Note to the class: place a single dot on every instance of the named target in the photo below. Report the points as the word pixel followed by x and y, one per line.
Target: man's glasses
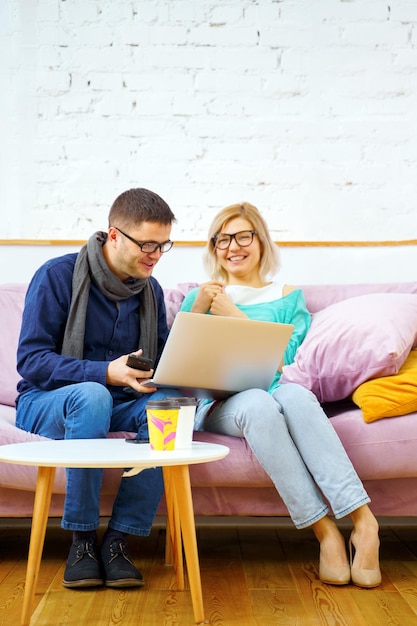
pixel 243 238
pixel 149 246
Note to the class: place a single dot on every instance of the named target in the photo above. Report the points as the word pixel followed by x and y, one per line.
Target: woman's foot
pixel 364 550
pixel 334 567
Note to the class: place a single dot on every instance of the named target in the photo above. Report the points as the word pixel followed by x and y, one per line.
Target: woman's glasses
pixel 149 246
pixel 243 238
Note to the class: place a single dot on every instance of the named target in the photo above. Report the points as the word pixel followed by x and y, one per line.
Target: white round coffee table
pixel 48 455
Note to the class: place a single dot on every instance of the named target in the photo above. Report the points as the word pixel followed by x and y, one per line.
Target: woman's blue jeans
pixel 297 446
pixel 86 411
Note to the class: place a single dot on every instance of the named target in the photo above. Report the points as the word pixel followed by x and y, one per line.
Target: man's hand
pixel 120 374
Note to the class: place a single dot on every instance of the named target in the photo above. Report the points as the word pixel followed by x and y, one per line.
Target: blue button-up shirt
pixel 111 329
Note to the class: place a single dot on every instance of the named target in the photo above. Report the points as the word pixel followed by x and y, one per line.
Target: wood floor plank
pixel 379 607
pixel 225 595
pixel 166 608
pixel 403 577
pixel 157 574
pixel 276 607
pixel 11 598
pixel 264 561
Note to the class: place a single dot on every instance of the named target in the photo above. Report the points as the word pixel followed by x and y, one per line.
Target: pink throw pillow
pixel 352 341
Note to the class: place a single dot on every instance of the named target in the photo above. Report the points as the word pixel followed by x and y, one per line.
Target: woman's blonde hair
pixel 269 264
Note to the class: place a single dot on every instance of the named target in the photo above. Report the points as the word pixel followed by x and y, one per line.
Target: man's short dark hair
pixel 139 205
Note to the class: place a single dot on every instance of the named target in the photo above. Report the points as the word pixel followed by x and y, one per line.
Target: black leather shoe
pixel 119 570
pixel 83 567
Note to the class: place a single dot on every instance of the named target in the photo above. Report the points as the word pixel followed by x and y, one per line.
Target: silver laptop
pixel 215 356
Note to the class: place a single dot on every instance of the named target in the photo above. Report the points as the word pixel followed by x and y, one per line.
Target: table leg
pixel 181 487
pixel 41 506
pixel 173 548
pixel 169 559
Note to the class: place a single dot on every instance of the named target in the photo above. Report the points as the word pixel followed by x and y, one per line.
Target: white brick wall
pixel 307 109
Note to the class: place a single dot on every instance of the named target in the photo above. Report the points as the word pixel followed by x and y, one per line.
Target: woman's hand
pixel 222 305
pixel 205 295
pixel 120 374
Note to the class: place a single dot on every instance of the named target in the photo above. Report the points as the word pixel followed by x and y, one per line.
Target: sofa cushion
pixel 389 396
pixel 11 307
pixel 173 299
pixel 352 341
pixel 383 450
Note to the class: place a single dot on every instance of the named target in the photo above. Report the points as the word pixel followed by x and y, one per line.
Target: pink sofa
pixel 384 452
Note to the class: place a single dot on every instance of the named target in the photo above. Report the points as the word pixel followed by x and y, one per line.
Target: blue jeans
pixel 86 411
pixel 297 446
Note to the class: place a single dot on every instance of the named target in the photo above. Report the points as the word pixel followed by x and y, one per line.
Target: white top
pixel 242 294
pixel 106 453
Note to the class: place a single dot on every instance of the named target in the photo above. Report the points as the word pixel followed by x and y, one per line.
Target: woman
pixel 297 446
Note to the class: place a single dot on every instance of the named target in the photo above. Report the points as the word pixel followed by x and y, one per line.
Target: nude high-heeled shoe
pixel 366 578
pixel 334 575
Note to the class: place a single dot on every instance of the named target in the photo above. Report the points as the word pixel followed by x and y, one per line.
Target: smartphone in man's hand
pixel 139 362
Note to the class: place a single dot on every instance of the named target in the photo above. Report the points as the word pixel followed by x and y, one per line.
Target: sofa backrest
pixel 321 296
pixel 12 298
pixel 174 297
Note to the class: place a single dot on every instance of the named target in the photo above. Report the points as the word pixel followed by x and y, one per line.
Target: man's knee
pixel 90 394
pixel 88 410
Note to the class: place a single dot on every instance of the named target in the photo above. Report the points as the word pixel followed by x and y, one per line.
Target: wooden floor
pixel 261 576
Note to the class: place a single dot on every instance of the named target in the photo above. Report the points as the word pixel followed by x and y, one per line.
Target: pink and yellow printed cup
pixel 162 423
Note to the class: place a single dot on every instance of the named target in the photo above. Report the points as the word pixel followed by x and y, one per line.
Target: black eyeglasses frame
pixel 233 236
pixel 155 245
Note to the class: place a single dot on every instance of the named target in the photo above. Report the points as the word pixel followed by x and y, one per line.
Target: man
pixel 83 315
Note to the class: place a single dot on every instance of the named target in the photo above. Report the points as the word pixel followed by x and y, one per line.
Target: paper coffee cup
pixel 185 424
pixel 162 418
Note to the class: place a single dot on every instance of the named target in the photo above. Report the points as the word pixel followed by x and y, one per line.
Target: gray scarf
pixel 91 265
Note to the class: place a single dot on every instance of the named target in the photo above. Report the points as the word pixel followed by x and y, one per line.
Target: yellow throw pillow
pixel 389 396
